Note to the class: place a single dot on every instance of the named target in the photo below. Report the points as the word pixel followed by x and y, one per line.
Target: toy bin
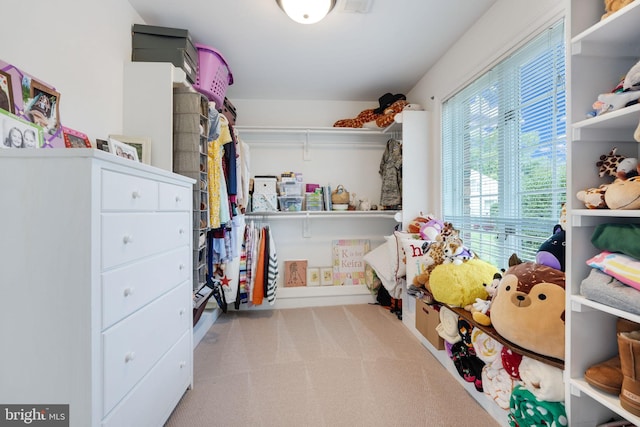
pixel 213 76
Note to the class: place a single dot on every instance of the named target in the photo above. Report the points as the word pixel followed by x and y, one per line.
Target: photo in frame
pixel 43 106
pixel 313 276
pixel 19 133
pixel 102 144
pixel 123 150
pixel 75 139
pixel 6 92
pixel 141 144
pixel 326 276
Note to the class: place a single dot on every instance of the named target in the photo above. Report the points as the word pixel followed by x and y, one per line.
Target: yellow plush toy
pixel 460 285
pixel 612 6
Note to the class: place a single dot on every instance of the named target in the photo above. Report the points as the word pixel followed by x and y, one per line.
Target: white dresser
pixel 95 286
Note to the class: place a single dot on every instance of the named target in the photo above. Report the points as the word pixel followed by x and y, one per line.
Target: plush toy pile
pixel 381 117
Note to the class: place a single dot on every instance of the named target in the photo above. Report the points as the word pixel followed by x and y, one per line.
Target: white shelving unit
pixel 599 53
pixel 334 156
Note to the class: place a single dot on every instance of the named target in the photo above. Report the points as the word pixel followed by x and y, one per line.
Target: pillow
pixel 622 267
pixel 396 252
pixel 416 262
pixel 617 238
pixel 379 260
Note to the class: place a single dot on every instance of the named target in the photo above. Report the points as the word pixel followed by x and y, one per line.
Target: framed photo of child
pixel 141 144
pixel 19 133
pixel 6 92
pixel 123 150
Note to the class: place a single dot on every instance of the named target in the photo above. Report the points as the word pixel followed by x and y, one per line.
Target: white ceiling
pixel 346 57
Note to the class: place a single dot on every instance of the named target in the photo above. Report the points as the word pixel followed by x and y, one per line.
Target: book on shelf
pixel 295 273
pixel 326 193
pixel 348 262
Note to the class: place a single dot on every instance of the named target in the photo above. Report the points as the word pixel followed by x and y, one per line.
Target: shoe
pixel 629 349
pixel 606 376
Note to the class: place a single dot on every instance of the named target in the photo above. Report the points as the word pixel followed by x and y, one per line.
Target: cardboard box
pixel 427 318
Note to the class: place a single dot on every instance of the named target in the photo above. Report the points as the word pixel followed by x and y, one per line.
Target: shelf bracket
pixel 306 155
pixel 306 226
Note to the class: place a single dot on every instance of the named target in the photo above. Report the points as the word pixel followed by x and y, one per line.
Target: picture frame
pixel 295 273
pixel 313 276
pixel 75 139
pixel 6 92
pixel 141 144
pixel 123 150
pixel 102 144
pixel 12 125
pixel 44 106
pixel 326 276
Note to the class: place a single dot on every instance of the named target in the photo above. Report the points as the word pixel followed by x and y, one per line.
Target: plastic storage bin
pixel 213 76
pixel 290 203
pixel 314 201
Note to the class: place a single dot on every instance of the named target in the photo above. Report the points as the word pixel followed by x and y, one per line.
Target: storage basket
pixel 340 196
pixel 213 76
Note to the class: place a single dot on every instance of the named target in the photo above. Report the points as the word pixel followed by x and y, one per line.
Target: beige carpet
pixel 354 365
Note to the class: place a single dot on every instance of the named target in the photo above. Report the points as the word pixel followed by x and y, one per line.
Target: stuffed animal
pixel 551 252
pixel 389 106
pixel 460 285
pixel 623 194
pixel 481 309
pixel 529 308
pixel 608 163
pixel 612 6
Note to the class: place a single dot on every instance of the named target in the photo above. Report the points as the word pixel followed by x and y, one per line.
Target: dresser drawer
pixel 132 346
pixel 126 289
pixel 151 401
pixel 129 236
pixel 174 197
pixel 121 191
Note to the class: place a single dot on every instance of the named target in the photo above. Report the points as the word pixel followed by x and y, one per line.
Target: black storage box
pixel 163 44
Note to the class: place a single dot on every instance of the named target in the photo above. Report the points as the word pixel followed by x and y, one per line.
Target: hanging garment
pixel 258 284
pixel 391 174
pixel 272 271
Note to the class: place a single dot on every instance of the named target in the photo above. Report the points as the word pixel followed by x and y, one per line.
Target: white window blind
pixel 504 152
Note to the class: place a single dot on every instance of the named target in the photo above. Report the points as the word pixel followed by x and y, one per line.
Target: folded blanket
pixel 497 383
pixel 544 381
pixel 448 326
pixel 602 288
pixel 487 349
pixel 526 410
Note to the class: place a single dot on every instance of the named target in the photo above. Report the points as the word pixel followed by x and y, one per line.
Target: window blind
pixel 504 152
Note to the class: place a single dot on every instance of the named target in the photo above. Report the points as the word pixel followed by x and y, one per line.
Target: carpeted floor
pixel 354 365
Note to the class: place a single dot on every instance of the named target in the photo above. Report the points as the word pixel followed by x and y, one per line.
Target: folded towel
pixel 487 349
pixel 526 410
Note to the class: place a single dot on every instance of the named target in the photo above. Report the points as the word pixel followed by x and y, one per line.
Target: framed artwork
pixel 295 273
pixel 19 133
pixel 102 144
pixel 348 262
pixel 313 276
pixel 6 92
pixel 123 150
pixel 44 106
pixel 326 276
pixel 141 144
pixel 75 139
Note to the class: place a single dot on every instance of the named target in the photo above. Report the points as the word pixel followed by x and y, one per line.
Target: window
pixel 504 152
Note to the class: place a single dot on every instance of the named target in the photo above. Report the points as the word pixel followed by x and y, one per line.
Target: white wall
pixel 77 46
pixel 507 25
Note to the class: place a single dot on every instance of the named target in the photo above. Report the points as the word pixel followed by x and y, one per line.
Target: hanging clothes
pixel 391 174
pixel 258 284
pixel 272 270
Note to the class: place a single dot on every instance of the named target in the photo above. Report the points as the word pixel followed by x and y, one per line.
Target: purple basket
pixel 213 76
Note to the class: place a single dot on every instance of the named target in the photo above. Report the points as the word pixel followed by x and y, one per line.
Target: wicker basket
pixel 340 196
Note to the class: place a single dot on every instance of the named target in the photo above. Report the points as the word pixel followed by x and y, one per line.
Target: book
pixel 347 261
pixel 295 273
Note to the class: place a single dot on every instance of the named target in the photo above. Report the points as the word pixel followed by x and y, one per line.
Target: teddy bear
pixel 612 6
pixel 481 309
pixel 528 308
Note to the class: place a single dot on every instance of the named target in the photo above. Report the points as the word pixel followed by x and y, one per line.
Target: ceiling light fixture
pixel 306 11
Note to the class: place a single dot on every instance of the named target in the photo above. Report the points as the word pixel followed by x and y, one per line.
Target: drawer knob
pixel 181 231
pixel 128 292
pixel 181 311
pixel 181 267
pixel 183 364
pixel 129 357
pixel 178 199
pixel 127 239
pixel 136 194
